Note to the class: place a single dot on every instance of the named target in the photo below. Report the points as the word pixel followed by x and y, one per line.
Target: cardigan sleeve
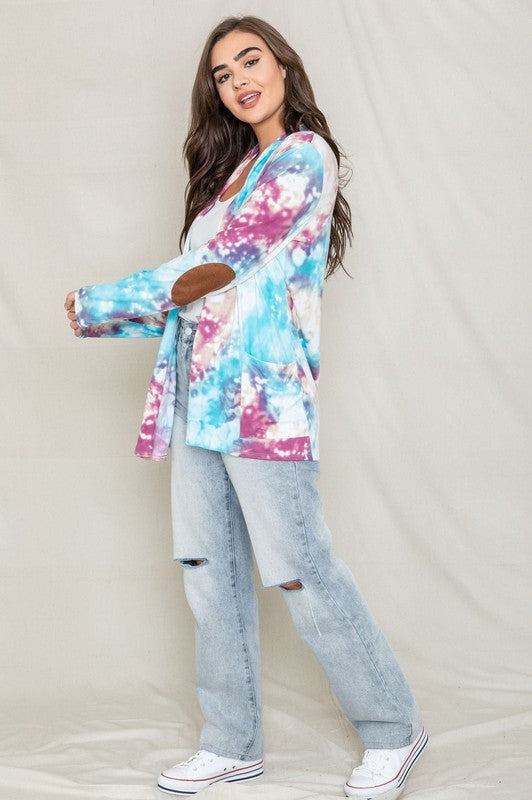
pixel 284 198
pixel 136 328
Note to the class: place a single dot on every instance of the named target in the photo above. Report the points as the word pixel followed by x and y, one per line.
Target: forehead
pixel 232 43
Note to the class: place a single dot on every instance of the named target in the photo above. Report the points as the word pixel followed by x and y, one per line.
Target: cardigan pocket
pixel 271 400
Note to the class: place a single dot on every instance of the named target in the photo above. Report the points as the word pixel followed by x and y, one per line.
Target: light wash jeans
pixel 224 508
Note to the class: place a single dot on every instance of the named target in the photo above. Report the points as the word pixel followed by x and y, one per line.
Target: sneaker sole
pixel 393 794
pixel 256 772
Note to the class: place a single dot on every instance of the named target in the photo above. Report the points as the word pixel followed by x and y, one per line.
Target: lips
pixel 248 98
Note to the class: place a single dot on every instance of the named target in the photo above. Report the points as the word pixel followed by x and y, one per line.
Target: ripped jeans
pixel 224 509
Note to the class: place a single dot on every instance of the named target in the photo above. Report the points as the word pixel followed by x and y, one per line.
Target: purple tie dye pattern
pixel 255 358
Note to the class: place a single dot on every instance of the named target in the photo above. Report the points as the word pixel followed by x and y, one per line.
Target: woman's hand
pixel 71 314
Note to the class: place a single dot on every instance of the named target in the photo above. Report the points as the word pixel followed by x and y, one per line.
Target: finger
pixel 74 325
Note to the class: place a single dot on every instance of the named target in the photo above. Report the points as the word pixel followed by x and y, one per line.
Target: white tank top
pixel 202 229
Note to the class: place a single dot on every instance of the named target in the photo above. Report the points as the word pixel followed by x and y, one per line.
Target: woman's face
pixel 242 64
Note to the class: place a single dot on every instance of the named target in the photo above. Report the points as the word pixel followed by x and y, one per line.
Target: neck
pixel 267 132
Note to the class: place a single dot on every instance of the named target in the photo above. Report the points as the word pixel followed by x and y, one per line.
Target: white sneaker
pixel 204 768
pixel 383 773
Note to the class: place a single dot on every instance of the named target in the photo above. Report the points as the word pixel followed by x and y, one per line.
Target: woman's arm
pixel 147 326
pixel 151 325
pixel 284 198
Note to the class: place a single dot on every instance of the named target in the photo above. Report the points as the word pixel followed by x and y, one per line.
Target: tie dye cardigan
pixel 256 353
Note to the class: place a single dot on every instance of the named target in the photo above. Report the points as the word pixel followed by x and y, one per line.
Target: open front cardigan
pixel 256 353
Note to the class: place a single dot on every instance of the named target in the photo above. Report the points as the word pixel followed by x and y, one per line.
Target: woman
pixel 234 392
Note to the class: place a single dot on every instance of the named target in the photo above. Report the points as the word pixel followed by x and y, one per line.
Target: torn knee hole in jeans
pixel 292 585
pixel 193 562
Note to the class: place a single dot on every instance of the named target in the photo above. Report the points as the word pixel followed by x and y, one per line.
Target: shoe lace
pixel 199 757
pixel 375 760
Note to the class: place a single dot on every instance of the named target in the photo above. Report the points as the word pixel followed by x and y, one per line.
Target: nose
pixel 238 82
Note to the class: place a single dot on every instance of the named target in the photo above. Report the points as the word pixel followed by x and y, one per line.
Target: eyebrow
pixel 238 55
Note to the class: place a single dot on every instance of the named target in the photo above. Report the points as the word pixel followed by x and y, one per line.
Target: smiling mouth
pixel 250 99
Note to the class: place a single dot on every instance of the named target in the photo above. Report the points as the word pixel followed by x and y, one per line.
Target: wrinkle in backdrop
pixel 424 394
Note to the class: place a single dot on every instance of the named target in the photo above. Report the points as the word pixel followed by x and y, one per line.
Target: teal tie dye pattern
pixel 256 354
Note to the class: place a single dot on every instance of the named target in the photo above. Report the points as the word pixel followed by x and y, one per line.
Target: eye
pixel 222 78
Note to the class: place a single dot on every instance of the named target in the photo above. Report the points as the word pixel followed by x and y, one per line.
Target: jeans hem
pixel 228 753
pixel 405 742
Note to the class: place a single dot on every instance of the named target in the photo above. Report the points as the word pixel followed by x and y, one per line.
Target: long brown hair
pixel 217 141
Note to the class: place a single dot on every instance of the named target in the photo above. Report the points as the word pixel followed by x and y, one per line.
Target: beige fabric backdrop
pixel 424 392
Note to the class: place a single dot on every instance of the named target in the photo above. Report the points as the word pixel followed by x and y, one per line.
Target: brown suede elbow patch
pixel 199 281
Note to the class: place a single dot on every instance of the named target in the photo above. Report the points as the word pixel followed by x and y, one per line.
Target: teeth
pixel 248 97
